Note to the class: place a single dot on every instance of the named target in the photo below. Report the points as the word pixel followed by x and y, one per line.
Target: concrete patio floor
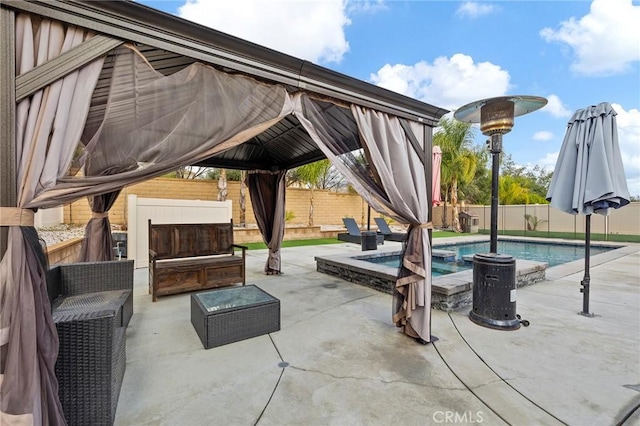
pixel 339 360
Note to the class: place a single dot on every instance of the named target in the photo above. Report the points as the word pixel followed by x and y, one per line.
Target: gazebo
pixel 99 95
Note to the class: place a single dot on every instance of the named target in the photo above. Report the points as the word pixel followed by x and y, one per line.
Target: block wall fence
pixel 329 207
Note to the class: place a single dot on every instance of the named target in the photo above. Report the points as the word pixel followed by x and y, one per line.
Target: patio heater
pixel 494 274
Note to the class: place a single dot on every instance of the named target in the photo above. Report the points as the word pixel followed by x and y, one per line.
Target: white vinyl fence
pixel 543 217
pixel 45 218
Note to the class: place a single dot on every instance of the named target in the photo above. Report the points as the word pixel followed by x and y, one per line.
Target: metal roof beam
pixel 413 140
pixel 69 61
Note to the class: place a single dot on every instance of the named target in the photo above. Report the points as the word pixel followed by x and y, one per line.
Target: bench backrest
pixel 171 241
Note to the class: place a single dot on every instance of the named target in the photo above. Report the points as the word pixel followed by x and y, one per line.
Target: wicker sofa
pixel 92 304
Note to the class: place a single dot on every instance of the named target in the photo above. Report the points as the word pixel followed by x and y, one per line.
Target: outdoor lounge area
pixel 98 96
pixel 338 359
pixel 77 122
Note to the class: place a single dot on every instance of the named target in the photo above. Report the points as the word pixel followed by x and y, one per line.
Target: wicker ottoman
pixel 230 314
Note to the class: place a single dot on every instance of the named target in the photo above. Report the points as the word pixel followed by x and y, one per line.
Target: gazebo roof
pixel 170 43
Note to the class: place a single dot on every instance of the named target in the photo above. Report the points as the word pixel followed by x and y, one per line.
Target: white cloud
pixel 447 83
pixel 312 30
pixel 366 6
pixel 472 9
pixel 556 108
pixel 628 138
pixel 542 136
pixel 605 41
pixel 549 161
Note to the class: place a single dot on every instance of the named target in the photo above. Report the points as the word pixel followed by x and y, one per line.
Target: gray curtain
pixel 47 124
pixel 374 152
pixel 97 245
pixel 267 192
pixel 153 124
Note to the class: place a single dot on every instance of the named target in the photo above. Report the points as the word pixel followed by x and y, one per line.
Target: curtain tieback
pixel 96 215
pixel 428 225
pixel 15 216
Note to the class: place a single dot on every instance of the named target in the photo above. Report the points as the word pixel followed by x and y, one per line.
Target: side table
pixel 231 314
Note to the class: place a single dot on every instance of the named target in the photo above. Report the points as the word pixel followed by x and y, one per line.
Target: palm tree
pixel 459 161
pixel 313 174
pixel 478 190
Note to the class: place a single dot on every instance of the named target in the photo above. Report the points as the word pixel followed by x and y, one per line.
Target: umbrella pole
pixel 586 279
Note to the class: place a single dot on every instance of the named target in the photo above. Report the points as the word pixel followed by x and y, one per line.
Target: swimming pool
pixel 452 275
pixel 552 253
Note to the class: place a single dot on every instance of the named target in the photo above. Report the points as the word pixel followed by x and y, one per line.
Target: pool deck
pixel 339 360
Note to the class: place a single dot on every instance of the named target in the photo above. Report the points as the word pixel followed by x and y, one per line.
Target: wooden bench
pixel 190 257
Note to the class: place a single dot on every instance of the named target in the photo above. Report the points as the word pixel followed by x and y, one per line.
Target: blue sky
pixel 449 53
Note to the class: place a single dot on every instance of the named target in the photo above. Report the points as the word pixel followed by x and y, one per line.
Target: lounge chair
pixel 388 234
pixel 353 234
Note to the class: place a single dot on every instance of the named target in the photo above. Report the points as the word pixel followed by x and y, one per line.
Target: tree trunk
pixel 445 223
pixel 243 198
pixel 311 209
pixel 454 202
pixel 222 185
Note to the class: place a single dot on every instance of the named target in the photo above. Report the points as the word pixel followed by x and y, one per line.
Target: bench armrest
pixel 243 248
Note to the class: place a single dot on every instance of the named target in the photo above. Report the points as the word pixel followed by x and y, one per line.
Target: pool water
pixel 438 266
pixel 553 254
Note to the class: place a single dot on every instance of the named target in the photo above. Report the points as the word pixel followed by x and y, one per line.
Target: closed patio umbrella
pixel 589 176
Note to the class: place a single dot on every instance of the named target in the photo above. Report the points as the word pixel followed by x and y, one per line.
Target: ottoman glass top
pixel 233 297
